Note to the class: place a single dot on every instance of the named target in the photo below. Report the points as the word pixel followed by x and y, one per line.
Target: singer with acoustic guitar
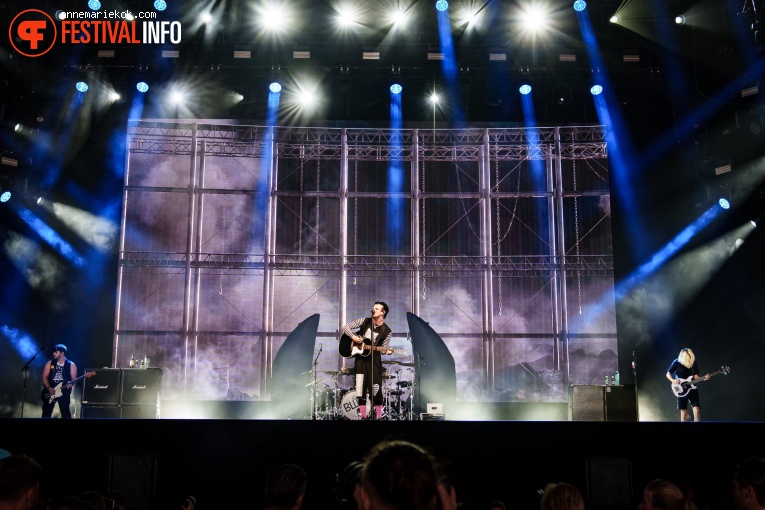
pixel 58 376
pixel 369 338
pixel 685 367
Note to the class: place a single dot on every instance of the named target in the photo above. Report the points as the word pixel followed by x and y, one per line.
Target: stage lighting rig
pixel 752 11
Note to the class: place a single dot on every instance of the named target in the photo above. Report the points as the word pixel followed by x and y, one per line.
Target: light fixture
pixel 442 5
pixel 433 55
pixel 160 5
pixel 370 55
pixel 525 89
pixel 396 88
pixel 580 5
pixel 680 20
pixel 301 53
pixel 242 54
pixel 596 90
pixel 205 17
pixel 81 86
pixel 171 53
pixel 724 203
pixel 562 94
pixel 9 161
pixel 275 87
pixel 114 96
pixel 614 19
pixel 94 5
pixel 724 169
pixel 750 91
pixel 567 57
pixel 142 86
pixel 5 196
pixel 630 56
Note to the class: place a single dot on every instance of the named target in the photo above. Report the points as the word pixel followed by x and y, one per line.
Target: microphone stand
pixel 313 386
pixel 634 377
pixel 371 412
pixel 25 370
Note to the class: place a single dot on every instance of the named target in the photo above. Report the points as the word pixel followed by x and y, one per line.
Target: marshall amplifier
pixel 103 387
pixel 139 412
pixel 93 412
pixel 141 386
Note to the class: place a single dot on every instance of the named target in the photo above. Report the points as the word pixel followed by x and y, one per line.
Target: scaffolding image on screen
pixel 500 239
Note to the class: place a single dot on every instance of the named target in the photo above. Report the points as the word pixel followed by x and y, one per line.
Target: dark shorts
pixel 692 397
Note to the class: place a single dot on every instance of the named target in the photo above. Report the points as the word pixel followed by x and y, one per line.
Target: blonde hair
pixel 686 358
pixel 667 495
pixel 561 496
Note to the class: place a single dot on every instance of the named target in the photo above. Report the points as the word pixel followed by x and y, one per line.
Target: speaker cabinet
pixel 585 403
pixel 141 386
pixel 139 412
pixel 103 387
pixel 621 403
pixel 94 412
pixel 602 403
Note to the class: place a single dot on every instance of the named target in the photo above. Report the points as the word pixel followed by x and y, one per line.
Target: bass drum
pixel 349 406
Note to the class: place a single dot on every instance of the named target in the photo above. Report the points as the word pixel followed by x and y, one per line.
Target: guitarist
pixel 682 368
pixel 58 370
pixel 369 370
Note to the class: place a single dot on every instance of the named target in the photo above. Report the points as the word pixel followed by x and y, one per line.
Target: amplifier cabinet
pixel 139 412
pixel 141 386
pixel 602 403
pixel 96 412
pixel 103 387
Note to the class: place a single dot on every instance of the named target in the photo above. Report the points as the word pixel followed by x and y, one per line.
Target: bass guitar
pixel 681 387
pixel 349 349
pixel 58 389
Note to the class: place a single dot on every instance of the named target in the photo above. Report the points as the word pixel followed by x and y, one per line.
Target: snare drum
pixel 349 406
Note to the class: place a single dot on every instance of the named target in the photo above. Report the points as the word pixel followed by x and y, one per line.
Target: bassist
pixel 683 367
pixel 59 370
pixel 369 370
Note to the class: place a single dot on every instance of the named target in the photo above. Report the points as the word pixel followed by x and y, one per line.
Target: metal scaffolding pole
pixel 484 185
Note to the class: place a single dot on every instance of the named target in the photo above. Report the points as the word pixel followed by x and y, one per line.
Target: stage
pixel 157 463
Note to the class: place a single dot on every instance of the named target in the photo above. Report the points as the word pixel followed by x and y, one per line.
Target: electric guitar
pixel 58 389
pixel 681 387
pixel 349 349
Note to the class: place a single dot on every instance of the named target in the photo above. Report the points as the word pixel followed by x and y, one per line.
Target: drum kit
pixel 338 401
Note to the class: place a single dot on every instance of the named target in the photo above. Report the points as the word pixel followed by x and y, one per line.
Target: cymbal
pixel 389 377
pixel 402 363
pixel 331 372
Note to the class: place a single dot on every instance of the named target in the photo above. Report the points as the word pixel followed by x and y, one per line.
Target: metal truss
pixel 367 144
pixel 330 265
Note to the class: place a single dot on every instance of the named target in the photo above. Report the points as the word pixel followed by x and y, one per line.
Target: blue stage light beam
pixel 449 66
pixel 272 117
pixel 667 251
pixel 622 159
pixel 536 166
pixel 21 341
pixel 50 236
pixel 395 202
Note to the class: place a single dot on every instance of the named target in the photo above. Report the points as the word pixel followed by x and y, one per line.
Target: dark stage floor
pixel 157 463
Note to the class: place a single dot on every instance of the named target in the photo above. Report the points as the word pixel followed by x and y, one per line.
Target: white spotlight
pixel 680 20
pixel 205 17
